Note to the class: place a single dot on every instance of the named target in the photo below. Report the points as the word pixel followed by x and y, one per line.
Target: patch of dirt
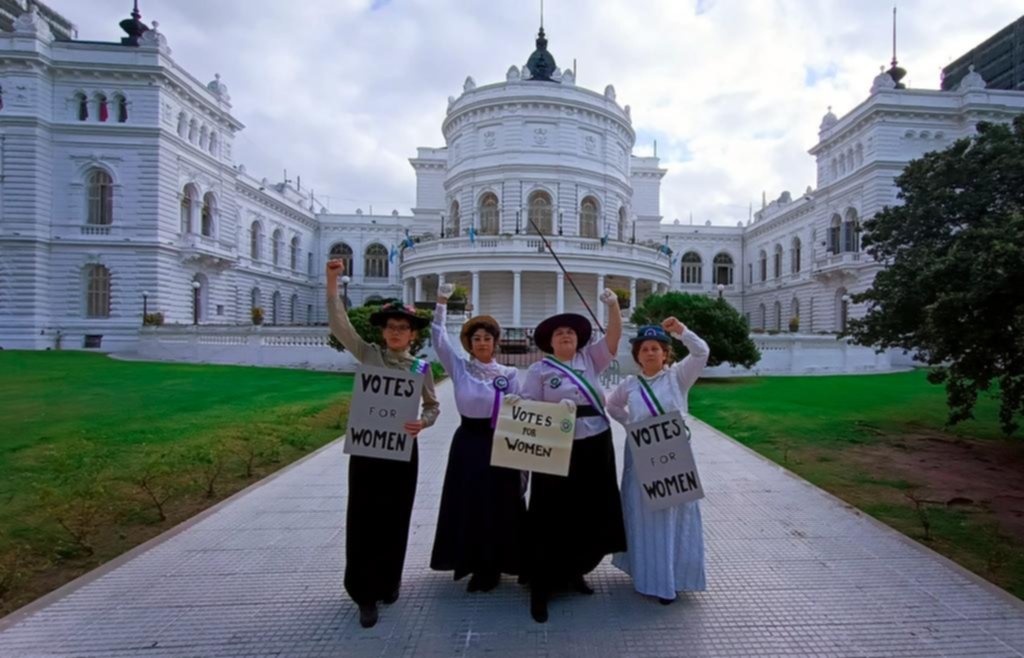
pixel 962 473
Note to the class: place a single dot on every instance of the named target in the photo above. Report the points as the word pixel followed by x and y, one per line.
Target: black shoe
pixel 539 606
pixel 474 583
pixel 368 615
pixel 666 601
pixel 483 582
pixel 391 598
pixel 581 586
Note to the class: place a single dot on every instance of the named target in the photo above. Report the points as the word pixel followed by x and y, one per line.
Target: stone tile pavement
pixel 792 571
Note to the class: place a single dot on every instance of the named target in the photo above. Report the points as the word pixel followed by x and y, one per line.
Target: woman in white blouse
pixel 481 521
pixel 666 547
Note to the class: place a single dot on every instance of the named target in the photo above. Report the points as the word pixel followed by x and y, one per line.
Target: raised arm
pixel 337 315
pixel 617 404
pixel 447 353
pixel 613 331
pixel 688 370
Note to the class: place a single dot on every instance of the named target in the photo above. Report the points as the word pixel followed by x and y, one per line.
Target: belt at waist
pixel 476 423
pixel 587 410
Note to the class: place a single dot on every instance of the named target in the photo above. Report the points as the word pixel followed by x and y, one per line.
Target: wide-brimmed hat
pixel 477 321
pixel 651 332
pixel 542 334
pixel 395 310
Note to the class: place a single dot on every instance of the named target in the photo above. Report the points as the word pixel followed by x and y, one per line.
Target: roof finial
pixel 896 73
pixel 133 26
pixel 542 14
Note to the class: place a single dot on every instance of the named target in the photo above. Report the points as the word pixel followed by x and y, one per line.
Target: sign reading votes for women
pixel 383 400
pixel 663 459
pixel 534 436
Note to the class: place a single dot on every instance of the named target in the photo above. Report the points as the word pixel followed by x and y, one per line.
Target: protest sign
pixel 663 461
pixel 534 436
pixel 383 400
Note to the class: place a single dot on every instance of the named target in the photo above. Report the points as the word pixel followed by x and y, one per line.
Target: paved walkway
pixel 791 570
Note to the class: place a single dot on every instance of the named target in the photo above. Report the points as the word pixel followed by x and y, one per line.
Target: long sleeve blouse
pixel 671 385
pixel 475 382
pixel 375 355
pixel 548 384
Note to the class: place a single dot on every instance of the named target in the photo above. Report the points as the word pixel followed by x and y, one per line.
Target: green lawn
pixel 80 434
pixel 877 441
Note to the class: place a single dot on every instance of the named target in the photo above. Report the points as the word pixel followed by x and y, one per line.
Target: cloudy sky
pixel 342 92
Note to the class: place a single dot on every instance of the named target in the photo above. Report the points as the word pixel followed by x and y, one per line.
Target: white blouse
pixel 548 384
pixel 474 382
pixel 671 386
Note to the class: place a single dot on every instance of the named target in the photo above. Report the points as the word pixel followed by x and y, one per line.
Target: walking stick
pixel 567 275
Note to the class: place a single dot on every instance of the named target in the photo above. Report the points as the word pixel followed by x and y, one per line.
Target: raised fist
pixel 672 325
pixel 609 298
pixel 335 266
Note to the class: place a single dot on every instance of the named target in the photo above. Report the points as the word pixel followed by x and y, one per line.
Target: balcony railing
pixel 533 244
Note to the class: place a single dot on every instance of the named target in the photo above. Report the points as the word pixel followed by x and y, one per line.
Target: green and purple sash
pixel 579 381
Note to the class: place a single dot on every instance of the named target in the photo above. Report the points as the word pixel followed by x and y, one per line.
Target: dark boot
pixel 539 605
pixel 483 582
pixel 666 601
pixel 368 615
pixel 391 598
pixel 580 585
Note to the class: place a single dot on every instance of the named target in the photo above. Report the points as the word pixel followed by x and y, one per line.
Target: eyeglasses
pixel 397 328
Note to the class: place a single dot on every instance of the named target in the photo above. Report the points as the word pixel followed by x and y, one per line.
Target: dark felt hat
pixel 651 332
pixel 395 310
pixel 477 321
pixel 542 334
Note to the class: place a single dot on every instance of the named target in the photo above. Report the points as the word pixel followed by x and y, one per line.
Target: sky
pixel 341 92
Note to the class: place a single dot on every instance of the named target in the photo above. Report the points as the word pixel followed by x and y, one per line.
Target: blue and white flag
pixel 472 234
pixel 393 254
pixel 408 243
pixel 604 238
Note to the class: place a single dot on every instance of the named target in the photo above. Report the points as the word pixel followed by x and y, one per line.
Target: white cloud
pixel 342 92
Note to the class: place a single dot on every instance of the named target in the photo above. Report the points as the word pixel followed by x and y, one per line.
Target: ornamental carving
pixel 540 136
pixel 490 139
pixel 590 144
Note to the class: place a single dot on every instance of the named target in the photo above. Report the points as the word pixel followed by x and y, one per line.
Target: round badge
pixel 501 383
pixel 566 425
pixel 556 382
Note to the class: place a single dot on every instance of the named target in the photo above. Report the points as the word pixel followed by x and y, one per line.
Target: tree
pixel 714 320
pixel 953 285
pixel 360 318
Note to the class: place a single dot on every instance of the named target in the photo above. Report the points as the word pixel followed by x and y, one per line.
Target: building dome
pixel 541 64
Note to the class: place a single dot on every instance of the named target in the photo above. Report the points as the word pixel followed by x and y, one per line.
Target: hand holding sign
pixel 383 399
pixel 663 460
pixel 534 436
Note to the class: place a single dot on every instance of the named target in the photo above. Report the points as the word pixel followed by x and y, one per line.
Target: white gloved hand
pixel 568 404
pixel 609 298
pixel 511 398
pixel 446 290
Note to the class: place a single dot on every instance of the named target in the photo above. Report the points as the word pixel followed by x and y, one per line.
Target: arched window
pixel 203 137
pixel 691 268
pixel 794 311
pixel 722 271
pixel 540 213
pixel 102 109
pixel 256 241
pixel 794 256
pixel 489 219
pixel 193 130
pixel 275 307
pixel 293 313
pixel 295 253
pixel 376 262
pixel 455 221
pixel 81 106
pixel 209 212
pixel 833 234
pixel 762 320
pixel 762 259
pixel 859 158
pixel 97 292
pixel 850 230
pixel 778 315
pixel 101 197
pixel 343 252
pixel 750 272
pixel 182 125
pixel 588 218
pixel 121 105
pixel 189 201
pixel 622 224
pixel 275 247
pixel 777 261
pixel 214 140
pixel 834 168
pixel 255 299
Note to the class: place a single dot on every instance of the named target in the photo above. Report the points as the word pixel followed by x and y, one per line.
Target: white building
pixel 119 194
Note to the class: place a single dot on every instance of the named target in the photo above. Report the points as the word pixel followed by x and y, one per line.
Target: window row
pixel 795 262
pixel 197 133
pixel 847 161
pixel 207 211
pixel 844 233
pixel 376 263
pixel 100 106
pixel 540 217
pixel 277 247
pixel 276 312
pixel 691 270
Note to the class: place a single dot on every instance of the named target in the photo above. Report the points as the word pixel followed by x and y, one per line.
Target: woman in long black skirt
pixel 482 518
pixel 574 521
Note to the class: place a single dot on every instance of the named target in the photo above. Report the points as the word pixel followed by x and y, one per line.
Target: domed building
pixel 532 162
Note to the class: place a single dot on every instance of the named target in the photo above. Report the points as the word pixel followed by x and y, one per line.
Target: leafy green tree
pixel 714 320
pixel 360 318
pixel 953 285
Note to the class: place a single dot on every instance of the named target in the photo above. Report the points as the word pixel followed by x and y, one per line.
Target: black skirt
pixel 574 521
pixel 380 497
pixel 483 514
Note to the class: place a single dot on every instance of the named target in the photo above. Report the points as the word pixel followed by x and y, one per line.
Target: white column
pixel 476 291
pixel 600 306
pixel 559 292
pixel 517 302
pixel 418 290
pixel 632 294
